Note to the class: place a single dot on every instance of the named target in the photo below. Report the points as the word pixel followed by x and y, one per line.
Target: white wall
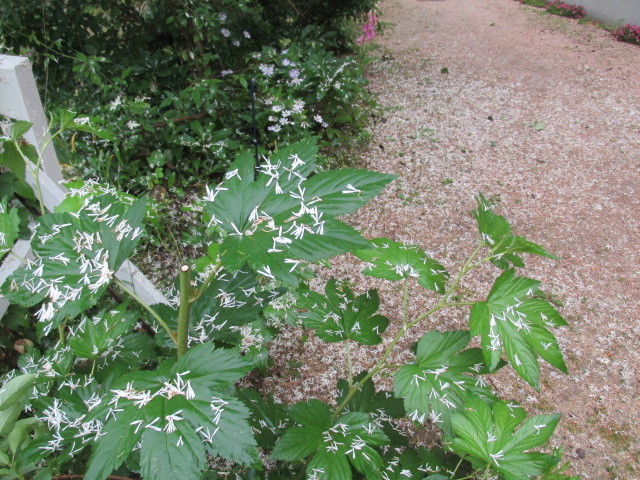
pixel 612 11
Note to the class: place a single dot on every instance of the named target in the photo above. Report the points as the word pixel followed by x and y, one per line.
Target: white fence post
pixel 19 99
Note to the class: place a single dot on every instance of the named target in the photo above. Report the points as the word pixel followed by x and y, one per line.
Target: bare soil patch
pixel 542 115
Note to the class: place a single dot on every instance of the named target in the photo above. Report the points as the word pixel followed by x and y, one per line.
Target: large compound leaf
pixel 183 410
pixel 76 256
pixel 511 320
pixel 487 435
pixel 278 218
pixel 383 406
pixel 340 315
pixel 417 464
pixel 442 378
pixel 96 335
pixel 394 261
pixel 268 418
pixel 333 444
pixel 496 234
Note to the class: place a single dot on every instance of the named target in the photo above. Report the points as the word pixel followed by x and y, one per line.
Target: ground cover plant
pixel 185 86
pixel 558 7
pixel 115 388
pixel 628 33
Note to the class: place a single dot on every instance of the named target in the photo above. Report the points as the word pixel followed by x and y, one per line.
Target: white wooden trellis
pixel 19 100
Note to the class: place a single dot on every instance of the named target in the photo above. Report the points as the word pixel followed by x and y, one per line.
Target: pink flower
pixel 368 29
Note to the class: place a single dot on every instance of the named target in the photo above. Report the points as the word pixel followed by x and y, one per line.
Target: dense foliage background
pixel 173 80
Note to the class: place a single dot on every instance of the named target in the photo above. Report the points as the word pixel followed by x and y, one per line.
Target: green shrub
pixel 172 80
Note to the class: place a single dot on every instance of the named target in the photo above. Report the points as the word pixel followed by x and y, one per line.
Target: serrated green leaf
pixel 277 218
pixel 189 407
pixel 512 321
pixel 268 419
pixel 329 466
pixel 442 378
pixel 13 157
pixel 115 444
pixel 76 258
pixel 101 332
pixel 211 366
pixel 18 128
pixel 9 227
pixel 413 464
pixel 300 442
pixel 228 303
pixel 381 406
pixel 496 234
pixel 340 315
pixel 332 443
pixel 175 455
pixel 486 435
pixel 395 261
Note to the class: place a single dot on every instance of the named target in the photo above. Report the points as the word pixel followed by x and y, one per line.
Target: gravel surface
pixel 541 114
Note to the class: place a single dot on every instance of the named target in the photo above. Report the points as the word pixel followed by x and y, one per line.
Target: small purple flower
pixel 294 73
pixel 266 69
pixel 246 34
pixel 222 17
pixel 225 32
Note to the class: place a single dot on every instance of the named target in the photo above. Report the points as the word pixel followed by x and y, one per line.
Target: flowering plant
pixel 628 33
pixel 118 387
pixel 561 8
pixel 368 29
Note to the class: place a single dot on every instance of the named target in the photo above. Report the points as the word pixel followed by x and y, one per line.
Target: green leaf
pixel 97 334
pixel 512 321
pixel 18 129
pixel 442 378
pixel 14 394
pixel 188 407
pixel 13 157
pixel 413 464
pixel 116 442
pixel 211 366
pixel 298 443
pixel 9 227
pixel 333 443
pixel 279 218
pixel 340 315
pixel 172 455
pixel 380 405
pixel 487 436
pixel 19 432
pixel 268 418
pixel 229 303
pixel 395 261
pixel 496 235
pixel 76 256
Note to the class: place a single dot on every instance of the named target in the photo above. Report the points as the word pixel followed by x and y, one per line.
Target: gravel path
pixel 540 114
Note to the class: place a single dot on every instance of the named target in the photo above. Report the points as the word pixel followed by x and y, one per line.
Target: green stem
pixel 405 303
pixel 347 349
pixel 210 278
pixel 406 326
pixel 36 176
pixel 153 313
pixel 63 340
pixel 453 474
pixel 185 310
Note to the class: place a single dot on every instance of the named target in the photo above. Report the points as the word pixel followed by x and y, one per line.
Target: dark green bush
pixel 172 79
